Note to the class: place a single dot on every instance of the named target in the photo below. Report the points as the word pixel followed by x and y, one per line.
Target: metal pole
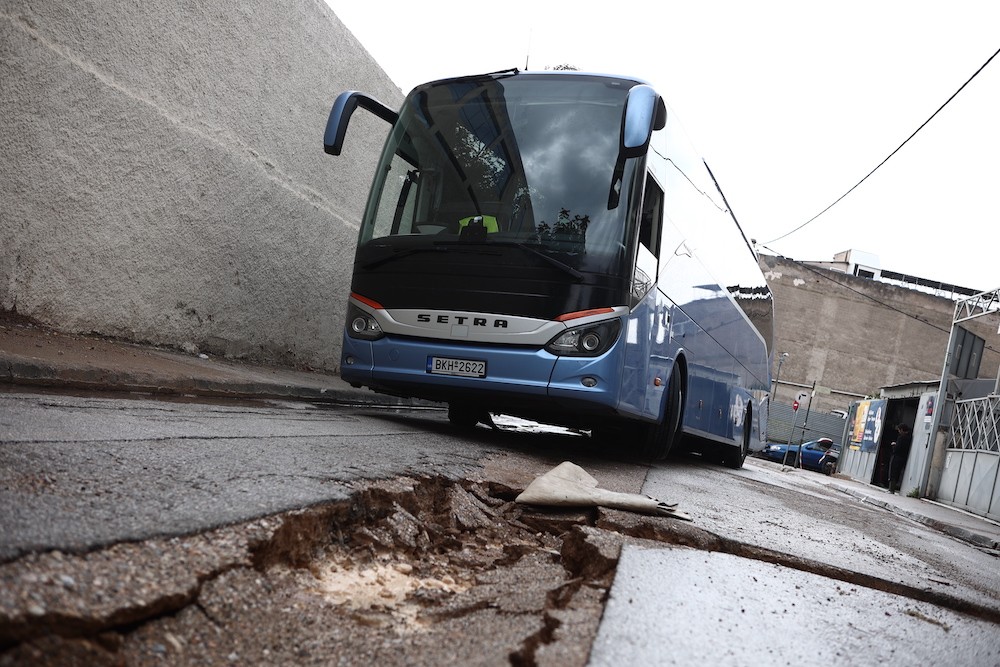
pixel 806 421
pixel 777 374
pixel 788 445
pixel 939 405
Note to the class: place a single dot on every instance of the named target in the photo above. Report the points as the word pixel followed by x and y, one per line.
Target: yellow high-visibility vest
pixel 489 222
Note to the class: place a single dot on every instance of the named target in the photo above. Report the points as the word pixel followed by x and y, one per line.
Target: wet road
pixel 767 546
pixel 797 514
pixel 81 472
pixel 800 576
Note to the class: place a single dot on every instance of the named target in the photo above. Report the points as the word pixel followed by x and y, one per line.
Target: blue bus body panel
pixel 649 355
pixel 567 378
pixel 514 375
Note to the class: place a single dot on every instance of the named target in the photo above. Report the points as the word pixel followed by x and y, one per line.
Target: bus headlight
pixel 362 325
pixel 589 340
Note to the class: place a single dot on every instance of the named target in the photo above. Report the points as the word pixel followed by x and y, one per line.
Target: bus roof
pixel 531 74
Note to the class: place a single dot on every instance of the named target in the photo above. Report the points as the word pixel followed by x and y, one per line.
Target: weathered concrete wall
pixel 162 176
pixel 857 335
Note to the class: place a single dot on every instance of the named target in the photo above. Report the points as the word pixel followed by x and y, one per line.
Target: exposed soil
pixel 410 572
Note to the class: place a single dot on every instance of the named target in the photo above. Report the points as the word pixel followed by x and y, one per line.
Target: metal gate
pixel 971 475
pixel 968 475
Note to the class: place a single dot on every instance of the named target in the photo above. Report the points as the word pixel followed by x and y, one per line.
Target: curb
pixel 35 373
pixel 957 532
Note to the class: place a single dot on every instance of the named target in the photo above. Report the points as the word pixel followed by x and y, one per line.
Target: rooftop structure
pixel 866 265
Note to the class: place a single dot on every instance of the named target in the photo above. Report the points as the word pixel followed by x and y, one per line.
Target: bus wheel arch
pixel 656 440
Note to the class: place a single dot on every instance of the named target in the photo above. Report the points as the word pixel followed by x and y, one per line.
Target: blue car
pixel 812 452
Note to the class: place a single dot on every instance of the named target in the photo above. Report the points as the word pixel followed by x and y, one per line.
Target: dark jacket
pixel 901 448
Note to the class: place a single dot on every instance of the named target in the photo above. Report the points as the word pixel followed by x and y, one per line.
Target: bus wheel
pixel 465 416
pixel 656 440
pixel 735 458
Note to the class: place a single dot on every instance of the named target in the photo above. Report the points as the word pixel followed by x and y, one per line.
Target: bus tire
pixel 656 440
pixel 734 458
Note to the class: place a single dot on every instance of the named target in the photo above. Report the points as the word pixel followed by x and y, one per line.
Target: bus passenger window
pixel 652 216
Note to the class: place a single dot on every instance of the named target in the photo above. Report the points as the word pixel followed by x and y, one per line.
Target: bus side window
pixel 652 217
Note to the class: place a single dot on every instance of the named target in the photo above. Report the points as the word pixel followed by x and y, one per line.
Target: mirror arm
pixel 340 115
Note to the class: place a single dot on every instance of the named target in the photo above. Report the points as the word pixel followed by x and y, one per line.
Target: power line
pixel 982 67
pixel 863 295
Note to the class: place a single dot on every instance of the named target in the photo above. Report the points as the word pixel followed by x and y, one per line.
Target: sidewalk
pixel 977 530
pixel 972 528
pixel 35 357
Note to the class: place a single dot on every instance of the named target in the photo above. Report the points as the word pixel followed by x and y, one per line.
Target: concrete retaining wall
pixel 162 176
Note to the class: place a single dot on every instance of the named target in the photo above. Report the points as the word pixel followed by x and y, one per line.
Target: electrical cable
pixel 982 67
pixel 866 296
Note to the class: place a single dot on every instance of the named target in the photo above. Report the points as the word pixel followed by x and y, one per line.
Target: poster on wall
pixel 858 427
pixel 866 431
pixel 873 425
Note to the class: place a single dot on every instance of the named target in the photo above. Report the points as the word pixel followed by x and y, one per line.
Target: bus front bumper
pixel 517 380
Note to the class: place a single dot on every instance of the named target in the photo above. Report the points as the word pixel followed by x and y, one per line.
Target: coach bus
pixel 547 245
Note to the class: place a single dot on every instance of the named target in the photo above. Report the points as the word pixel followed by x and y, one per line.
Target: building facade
pixel 851 335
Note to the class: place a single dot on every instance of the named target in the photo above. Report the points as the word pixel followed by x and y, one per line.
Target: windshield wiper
pixel 399 254
pixel 444 246
pixel 552 261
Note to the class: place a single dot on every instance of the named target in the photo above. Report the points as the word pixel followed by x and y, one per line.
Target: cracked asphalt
pixel 147 532
pixel 410 572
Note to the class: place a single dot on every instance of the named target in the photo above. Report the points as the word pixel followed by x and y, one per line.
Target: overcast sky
pixel 791 103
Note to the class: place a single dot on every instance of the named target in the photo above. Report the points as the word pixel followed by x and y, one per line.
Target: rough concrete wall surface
pixel 857 335
pixel 162 176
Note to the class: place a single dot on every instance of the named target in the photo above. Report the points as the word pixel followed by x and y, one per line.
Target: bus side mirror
pixel 644 112
pixel 340 115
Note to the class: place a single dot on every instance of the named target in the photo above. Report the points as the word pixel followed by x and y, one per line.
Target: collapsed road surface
pixel 436 563
pixel 407 572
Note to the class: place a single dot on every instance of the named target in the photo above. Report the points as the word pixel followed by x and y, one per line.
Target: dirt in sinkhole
pixel 409 572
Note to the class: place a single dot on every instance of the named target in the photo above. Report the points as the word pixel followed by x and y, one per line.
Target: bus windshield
pixel 526 161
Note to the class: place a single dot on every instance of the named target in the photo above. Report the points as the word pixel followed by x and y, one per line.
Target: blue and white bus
pixel 547 245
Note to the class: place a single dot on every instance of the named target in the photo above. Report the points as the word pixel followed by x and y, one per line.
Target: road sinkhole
pixel 410 571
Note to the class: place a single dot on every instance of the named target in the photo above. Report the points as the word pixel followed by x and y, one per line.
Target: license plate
pixel 470 368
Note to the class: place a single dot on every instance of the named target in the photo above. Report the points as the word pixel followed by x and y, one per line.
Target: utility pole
pixel 791 432
pixel 805 421
pixel 777 374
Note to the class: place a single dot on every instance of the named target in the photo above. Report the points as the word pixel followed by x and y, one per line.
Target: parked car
pixel 812 452
pixel 828 462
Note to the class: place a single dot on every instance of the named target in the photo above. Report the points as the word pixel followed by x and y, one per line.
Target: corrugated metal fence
pixel 817 425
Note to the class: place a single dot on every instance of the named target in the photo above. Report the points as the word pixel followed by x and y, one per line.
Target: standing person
pixel 900 453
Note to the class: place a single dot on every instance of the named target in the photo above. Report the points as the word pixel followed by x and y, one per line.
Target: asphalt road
pixel 778 567
pixel 82 472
